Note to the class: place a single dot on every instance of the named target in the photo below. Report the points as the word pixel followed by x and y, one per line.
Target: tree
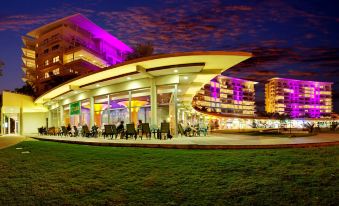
pixel 56 80
pixel 141 50
pixel 309 127
pixel 26 89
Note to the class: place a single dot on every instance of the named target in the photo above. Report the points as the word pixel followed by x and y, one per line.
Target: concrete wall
pixel 32 121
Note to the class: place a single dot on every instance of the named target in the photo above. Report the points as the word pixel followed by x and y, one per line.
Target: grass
pixel 66 174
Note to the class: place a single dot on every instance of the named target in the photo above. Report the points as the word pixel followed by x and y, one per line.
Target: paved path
pixel 216 141
pixel 9 140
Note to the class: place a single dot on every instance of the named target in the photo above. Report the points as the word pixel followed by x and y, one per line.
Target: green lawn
pixel 65 174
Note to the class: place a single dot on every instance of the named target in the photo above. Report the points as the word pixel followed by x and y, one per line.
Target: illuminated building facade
pixel 67 48
pixel 228 96
pixel 298 98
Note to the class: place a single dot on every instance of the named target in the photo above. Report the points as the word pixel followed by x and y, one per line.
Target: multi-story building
pixel 68 47
pixel 298 98
pixel 227 96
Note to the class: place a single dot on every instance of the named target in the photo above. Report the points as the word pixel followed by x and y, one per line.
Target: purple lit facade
pixel 298 98
pixel 68 47
pixel 227 96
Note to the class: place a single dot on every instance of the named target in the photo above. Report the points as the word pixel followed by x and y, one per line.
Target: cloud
pixel 26 22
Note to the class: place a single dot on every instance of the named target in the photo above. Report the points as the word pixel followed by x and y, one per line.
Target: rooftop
pixel 86 24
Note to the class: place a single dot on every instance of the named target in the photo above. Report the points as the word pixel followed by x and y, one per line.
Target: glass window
pixel 101 110
pixel 56 71
pixel 118 108
pixel 56 59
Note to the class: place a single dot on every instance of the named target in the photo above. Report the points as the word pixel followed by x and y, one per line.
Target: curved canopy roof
pixel 190 71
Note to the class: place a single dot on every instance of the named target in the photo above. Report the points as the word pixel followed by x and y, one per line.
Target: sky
pixel 289 39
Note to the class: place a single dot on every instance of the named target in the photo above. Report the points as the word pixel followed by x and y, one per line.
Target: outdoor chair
pixel 76 132
pixel 85 131
pixel 115 131
pixel 108 131
pixel 130 130
pixel 181 130
pixel 42 131
pixel 65 132
pixel 202 130
pixel 165 129
pixel 145 129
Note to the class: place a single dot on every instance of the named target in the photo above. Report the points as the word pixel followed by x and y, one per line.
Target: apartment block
pixel 227 96
pixel 298 98
pixel 68 47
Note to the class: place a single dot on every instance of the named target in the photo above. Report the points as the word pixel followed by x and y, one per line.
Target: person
pixel 69 129
pixel 94 130
pixel 189 130
pixel 139 127
pixel 121 129
pixel 79 128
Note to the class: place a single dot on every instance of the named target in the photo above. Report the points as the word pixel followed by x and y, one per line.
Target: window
pixel 46 63
pixel 56 71
pixel 46 75
pixel 55 47
pixel 56 59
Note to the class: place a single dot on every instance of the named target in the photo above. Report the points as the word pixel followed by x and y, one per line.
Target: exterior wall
pixel 227 95
pixel 298 98
pixel 32 121
pixel 66 50
pixel 27 114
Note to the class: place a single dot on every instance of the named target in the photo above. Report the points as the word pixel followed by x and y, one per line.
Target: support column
pixel 175 96
pixel 154 106
pixel 129 107
pixel 108 109
pixel 91 111
pixel 9 124
pixel 21 122
pixel 2 122
pixel 61 116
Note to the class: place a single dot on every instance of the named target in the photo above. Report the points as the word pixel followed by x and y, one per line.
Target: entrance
pixel 10 123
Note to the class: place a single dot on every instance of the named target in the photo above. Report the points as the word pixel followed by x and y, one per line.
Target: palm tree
pixel 141 50
pixel 26 89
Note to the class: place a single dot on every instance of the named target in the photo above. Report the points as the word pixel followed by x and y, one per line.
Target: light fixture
pixel 176 71
pixel 128 78
pixel 185 77
pixel 81 55
pixel 98 85
pixel 179 90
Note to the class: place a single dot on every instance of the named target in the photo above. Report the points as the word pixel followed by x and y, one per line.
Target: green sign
pixel 74 108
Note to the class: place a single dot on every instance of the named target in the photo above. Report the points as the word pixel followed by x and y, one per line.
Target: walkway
pixel 213 141
pixel 9 140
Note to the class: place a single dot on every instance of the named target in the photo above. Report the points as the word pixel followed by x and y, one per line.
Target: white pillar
pixel 9 124
pixel 129 107
pixel 61 108
pixel 91 112
pixel 2 122
pixel 175 96
pixel 154 105
pixel 21 122
pixel 108 109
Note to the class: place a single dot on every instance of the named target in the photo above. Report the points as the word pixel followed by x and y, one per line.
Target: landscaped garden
pixel 49 173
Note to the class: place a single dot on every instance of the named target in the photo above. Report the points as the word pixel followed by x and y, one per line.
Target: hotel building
pixel 227 96
pixel 66 48
pixel 298 98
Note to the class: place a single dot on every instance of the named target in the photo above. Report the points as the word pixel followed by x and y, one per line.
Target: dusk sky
pixel 290 39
